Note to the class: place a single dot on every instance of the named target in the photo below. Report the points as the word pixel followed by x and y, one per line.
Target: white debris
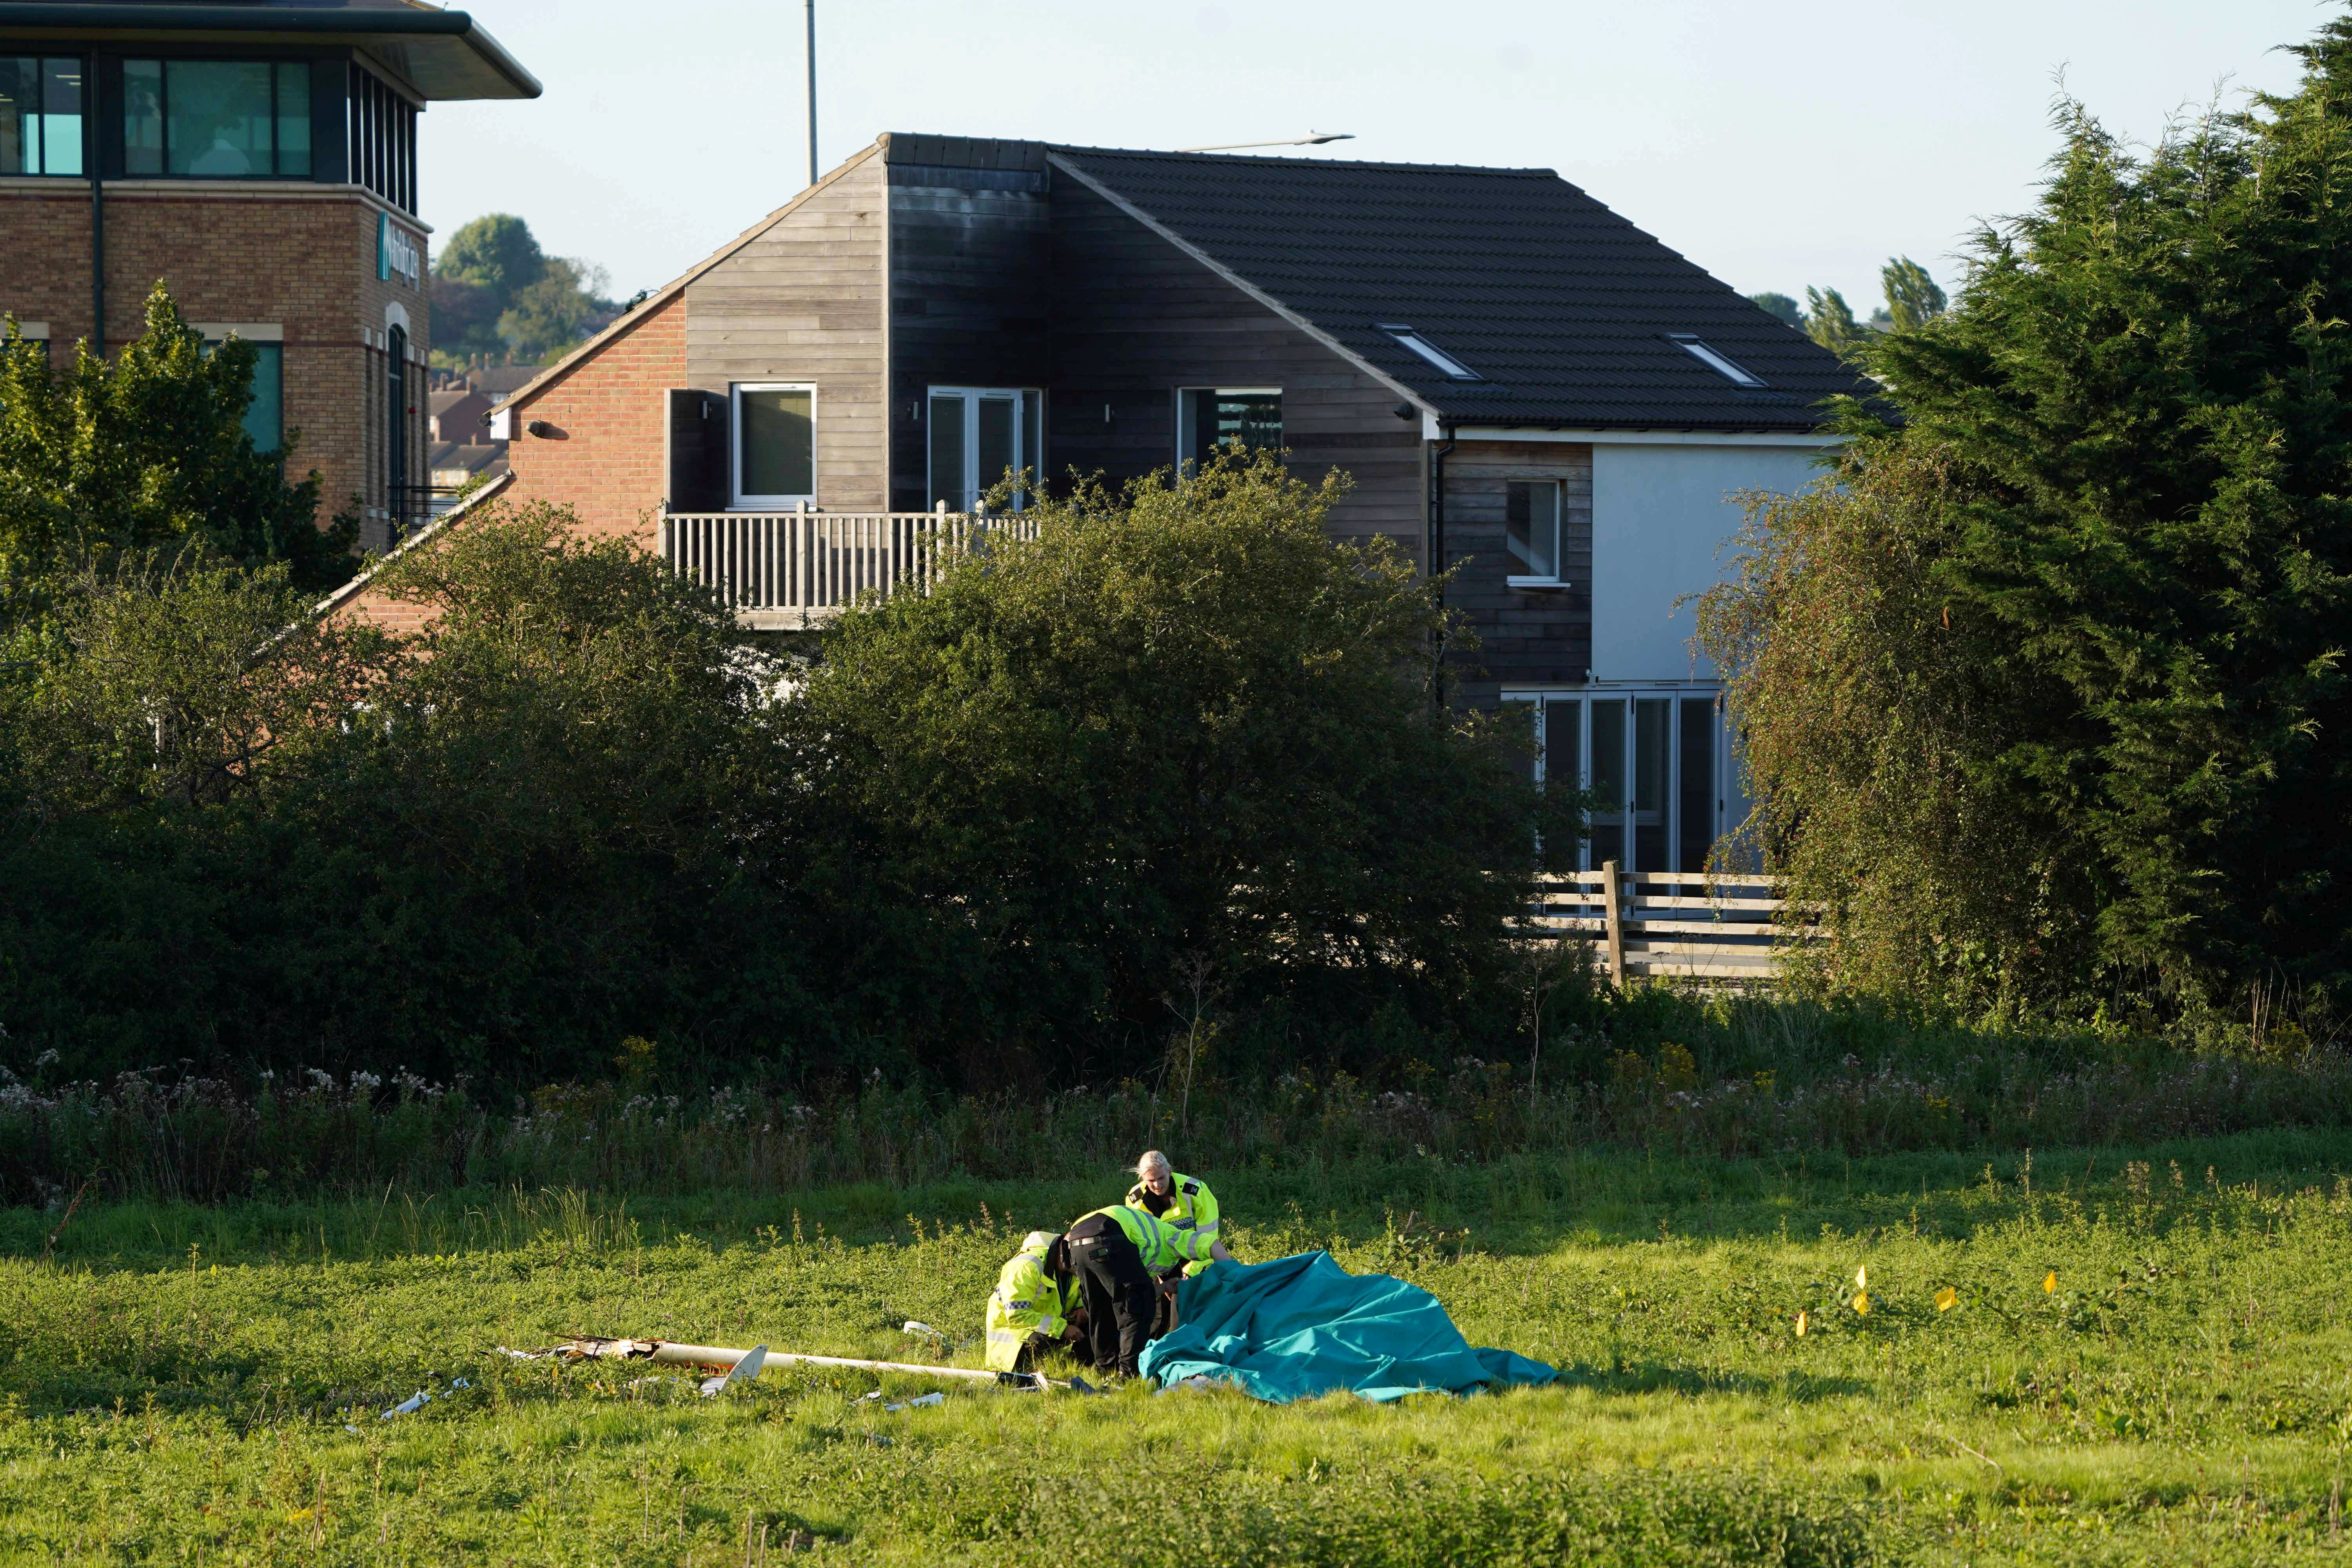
pixel 408 1407
pixel 934 1397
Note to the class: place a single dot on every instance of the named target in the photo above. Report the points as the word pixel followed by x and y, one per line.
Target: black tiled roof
pixel 1562 307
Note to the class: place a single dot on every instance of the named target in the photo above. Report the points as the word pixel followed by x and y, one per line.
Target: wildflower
pixel 1862 1302
pixel 1947 1298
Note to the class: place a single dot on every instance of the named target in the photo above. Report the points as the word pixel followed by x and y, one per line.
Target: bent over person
pixel 1115 1252
pixel 1034 1306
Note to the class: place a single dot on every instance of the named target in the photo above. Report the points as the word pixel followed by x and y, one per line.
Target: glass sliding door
pixel 1652 761
pixel 978 435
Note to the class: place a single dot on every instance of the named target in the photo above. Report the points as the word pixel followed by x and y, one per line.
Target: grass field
pixel 182 1383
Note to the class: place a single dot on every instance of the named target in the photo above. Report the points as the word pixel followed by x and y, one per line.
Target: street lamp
pixel 1312 139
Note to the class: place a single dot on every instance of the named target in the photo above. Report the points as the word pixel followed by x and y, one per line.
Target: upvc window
pixel 1211 420
pixel 774 430
pixel 1653 760
pixel 216 118
pixel 978 434
pixel 40 115
pixel 1531 531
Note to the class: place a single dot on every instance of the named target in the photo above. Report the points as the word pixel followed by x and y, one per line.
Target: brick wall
pixel 605 453
pixel 301 258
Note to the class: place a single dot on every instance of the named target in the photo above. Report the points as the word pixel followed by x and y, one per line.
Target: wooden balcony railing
pixel 794 569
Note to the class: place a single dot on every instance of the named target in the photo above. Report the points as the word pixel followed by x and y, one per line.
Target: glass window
pixel 265 414
pixel 1433 354
pixel 40 115
pixel 947 452
pixel 979 434
pixel 142 117
pixel 293 92
pixel 215 119
pixel 1609 781
pixel 1695 814
pixel 1213 419
pixel 1653 765
pixel 1531 529
pixel 775 445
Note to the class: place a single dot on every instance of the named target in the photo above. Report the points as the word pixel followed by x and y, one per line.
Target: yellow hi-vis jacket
pixel 1027 1301
pixel 1162 1245
pixel 1194 1208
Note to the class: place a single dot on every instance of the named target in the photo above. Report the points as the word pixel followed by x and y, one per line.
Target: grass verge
pixel 182 1383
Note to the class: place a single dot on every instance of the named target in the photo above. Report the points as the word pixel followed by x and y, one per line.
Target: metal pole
pixel 812 89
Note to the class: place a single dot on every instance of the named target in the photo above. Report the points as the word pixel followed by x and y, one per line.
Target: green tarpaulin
pixel 1302 1326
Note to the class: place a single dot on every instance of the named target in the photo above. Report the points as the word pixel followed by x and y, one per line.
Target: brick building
pixel 260 160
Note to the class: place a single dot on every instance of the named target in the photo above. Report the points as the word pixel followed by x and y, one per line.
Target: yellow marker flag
pixel 1862 1278
pixel 1801 1320
pixel 1862 1302
pixel 1947 1298
pixel 2050 1282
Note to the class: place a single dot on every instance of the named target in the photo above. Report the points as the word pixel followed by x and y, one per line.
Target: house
pixel 260 160
pixel 460 413
pixel 1526 388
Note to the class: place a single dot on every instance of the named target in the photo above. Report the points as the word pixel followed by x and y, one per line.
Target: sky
pixel 1777 146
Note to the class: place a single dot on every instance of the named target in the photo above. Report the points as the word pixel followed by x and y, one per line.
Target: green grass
pixel 176 1382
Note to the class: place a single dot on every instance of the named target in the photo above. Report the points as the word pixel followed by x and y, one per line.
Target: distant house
pixel 1525 388
pixel 460 413
pixel 455 464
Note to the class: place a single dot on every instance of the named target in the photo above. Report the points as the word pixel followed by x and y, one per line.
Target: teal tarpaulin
pixel 1302 1326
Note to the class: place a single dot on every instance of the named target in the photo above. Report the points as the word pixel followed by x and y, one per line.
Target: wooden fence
pixel 1728 927
pixel 794 569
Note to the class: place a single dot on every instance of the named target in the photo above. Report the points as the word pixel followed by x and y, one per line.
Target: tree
pixel 555 314
pixel 1829 321
pixel 1179 731
pixel 496 293
pixel 2130 572
pixel 109 459
pixel 1913 297
pixel 1780 307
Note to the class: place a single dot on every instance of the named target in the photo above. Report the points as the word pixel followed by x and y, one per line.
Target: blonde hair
pixel 1152 1160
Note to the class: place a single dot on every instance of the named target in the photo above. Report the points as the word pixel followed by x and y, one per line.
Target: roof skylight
pixel 1432 353
pixel 1737 374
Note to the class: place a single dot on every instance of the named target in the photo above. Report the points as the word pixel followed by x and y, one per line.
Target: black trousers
pixel 1118 1290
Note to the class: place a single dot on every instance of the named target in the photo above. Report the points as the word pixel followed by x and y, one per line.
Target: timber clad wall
pixel 803 302
pixel 605 458
pixel 968 250
pixel 1528 636
pixel 1135 319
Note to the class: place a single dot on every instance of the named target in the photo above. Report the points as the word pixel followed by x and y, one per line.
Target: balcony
pixel 788 571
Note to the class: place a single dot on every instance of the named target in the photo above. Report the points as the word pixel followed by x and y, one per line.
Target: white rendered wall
pixel 1662 516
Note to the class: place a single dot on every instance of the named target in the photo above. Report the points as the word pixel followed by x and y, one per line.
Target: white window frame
pixel 737 499
pixel 1549 699
pixel 972 398
pixel 1559 536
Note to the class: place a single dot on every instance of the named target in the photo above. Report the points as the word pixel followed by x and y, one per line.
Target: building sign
pixel 396 255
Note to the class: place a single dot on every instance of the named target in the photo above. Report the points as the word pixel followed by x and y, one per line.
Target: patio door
pixel 1654 761
pixel 977 435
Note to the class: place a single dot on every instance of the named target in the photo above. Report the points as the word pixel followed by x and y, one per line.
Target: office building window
pixel 381 139
pixel 1210 419
pixel 265 414
pixel 218 120
pixel 40 115
pixel 775 445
